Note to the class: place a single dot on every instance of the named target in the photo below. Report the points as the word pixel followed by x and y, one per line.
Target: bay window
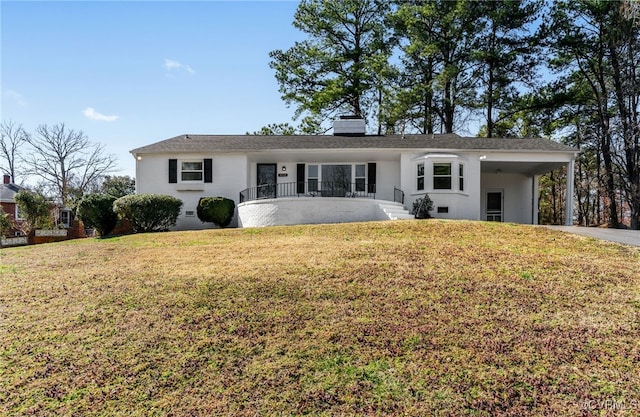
pixel 442 176
pixel 420 176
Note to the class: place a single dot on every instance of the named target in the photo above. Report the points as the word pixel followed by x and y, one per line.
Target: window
pixel 461 177
pixel 336 180
pixel 312 176
pixel 65 219
pixel 420 176
pixel 191 171
pixel 360 178
pixel 442 176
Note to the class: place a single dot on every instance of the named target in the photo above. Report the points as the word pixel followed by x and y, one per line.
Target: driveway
pixel 627 237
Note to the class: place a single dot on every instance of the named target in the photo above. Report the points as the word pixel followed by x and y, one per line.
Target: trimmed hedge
pixel 96 210
pixel 216 210
pixel 149 212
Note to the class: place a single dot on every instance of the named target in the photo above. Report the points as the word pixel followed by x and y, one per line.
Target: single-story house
pixel 350 176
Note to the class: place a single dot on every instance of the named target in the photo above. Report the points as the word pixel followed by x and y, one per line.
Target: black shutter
pixel 173 171
pixel 300 178
pixel 208 170
pixel 371 177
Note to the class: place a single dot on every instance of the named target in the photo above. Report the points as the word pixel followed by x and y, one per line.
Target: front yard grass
pixel 388 318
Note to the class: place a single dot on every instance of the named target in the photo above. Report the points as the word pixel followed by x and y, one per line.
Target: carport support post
pixel 535 209
pixel 568 219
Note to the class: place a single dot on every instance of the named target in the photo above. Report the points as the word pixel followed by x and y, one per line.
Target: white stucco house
pixel 349 176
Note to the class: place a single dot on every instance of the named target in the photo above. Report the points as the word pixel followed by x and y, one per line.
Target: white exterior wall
pixel 229 178
pixel 509 172
pixel 461 204
pixel 517 189
pixel 388 177
pixel 308 210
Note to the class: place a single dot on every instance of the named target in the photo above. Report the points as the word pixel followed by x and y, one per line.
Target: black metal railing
pixel 398 195
pixel 309 189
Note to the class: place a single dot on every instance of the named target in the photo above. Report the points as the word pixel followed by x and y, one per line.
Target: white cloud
pixel 16 97
pixel 171 65
pixel 91 114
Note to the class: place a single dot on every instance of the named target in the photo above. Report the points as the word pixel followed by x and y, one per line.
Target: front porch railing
pixel 398 195
pixel 309 189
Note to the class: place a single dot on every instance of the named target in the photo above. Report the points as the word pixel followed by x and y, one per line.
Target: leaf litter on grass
pixel 404 318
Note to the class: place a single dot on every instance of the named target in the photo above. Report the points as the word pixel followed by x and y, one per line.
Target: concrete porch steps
pixel 395 211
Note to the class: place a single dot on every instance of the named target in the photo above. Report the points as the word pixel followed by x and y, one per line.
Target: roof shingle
pixel 248 143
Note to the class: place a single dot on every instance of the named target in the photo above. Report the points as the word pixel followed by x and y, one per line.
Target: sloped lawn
pixel 391 318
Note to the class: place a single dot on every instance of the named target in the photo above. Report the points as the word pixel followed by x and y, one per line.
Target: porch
pixel 314 202
pixel 337 189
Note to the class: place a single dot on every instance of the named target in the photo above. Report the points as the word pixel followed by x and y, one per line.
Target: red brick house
pixel 7 191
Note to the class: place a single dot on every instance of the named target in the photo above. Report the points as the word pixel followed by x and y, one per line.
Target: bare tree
pixel 66 161
pixel 12 137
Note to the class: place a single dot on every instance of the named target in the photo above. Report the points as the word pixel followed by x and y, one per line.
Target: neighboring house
pixel 305 179
pixel 63 216
pixel 7 191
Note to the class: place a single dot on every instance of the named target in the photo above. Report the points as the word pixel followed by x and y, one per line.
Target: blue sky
pixel 130 73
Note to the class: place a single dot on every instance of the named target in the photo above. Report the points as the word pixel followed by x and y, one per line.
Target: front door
pixel 494 206
pixel 267 179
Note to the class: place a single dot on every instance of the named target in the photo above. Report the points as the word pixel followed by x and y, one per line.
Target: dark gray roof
pixel 8 191
pixel 248 143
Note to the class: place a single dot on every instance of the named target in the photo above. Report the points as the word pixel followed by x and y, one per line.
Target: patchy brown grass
pixel 391 318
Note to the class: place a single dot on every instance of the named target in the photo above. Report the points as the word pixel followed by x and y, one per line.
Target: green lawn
pixel 391 318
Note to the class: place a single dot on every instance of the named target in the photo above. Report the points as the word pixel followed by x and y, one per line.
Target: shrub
pixel 422 207
pixel 5 222
pixel 148 212
pixel 96 210
pixel 216 210
pixel 36 210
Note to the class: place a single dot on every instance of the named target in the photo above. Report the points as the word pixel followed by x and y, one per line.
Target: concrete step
pixel 395 211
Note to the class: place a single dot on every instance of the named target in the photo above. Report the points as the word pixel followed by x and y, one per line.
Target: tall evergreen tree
pixel 507 55
pixel 336 70
pixel 437 41
pixel 595 45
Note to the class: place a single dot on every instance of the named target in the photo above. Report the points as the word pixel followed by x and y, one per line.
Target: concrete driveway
pixel 627 237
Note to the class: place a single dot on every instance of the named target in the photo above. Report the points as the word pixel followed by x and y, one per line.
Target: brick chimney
pixel 6 179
